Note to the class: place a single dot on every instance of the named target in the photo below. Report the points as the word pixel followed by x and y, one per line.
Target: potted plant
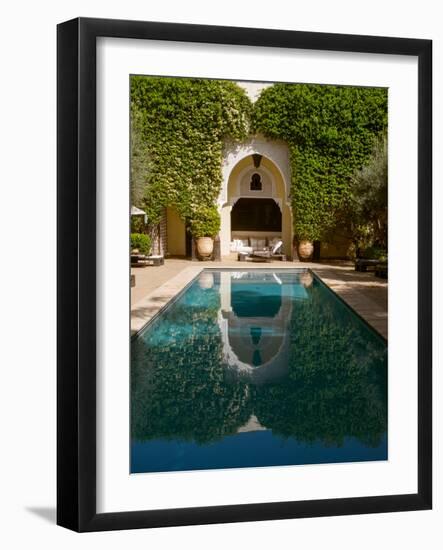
pixel 140 243
pixel 305 246
pixel 204 226
pixel 306 233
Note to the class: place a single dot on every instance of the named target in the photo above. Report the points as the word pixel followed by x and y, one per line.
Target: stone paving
pixel 157 285
pixel 363 292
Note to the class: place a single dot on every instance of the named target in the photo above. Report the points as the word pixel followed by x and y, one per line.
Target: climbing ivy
pixel 179 385
pixel 205 222
pixel 330 131
pixel 183 124
pixel 139 159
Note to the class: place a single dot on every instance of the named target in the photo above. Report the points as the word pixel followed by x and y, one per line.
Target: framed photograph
pixel 244 274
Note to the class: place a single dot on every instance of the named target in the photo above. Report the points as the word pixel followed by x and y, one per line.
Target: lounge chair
pixel 138 260
pixel 156 259
pixel 362 264
pixel 268 255
pixel 381 270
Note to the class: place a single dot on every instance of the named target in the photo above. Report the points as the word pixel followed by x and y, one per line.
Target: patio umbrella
pixel 138 212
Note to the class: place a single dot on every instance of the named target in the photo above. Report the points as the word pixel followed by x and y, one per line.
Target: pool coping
pixel 146 309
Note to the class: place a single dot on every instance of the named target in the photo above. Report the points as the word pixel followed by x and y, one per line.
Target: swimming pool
pixel 256 368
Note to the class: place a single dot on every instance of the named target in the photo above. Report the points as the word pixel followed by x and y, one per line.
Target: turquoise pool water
pixel 257 368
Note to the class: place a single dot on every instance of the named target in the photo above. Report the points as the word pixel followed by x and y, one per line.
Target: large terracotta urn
pixel 205 246
pixel 305 250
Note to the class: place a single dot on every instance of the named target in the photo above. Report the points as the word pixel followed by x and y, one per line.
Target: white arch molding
pixel 262 170
pixel 274 150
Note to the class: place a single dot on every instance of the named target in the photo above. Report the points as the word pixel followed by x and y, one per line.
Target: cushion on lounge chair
pixel 257 243
pixel 238 245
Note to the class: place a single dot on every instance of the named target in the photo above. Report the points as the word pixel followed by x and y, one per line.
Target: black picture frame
pixel 76 295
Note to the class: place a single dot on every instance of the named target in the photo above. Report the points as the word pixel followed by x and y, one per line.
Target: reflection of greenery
pixel 336 385
pixel 179 388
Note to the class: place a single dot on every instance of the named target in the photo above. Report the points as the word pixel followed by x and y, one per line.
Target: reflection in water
pixel 256 368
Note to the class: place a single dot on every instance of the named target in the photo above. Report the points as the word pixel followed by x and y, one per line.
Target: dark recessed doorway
pixel 255 215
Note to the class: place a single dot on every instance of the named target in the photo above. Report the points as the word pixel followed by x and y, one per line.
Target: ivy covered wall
pixel 183 124
pixel 179 127
pixel 330 131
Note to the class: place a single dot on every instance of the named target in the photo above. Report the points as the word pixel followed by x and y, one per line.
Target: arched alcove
pixel 255 202
pixel 254 330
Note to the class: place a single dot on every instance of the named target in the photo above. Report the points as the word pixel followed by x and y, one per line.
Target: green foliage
pixel 179 384
pixel 179 127
pixel 368 206
pixel 141 242
pixel 336 385
pixel 137 224
pixel 139 159
pixel 183 124
pixel 374 253
pixel 330 131
pixel 205 222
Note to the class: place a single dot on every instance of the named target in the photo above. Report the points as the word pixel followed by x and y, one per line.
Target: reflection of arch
pixel 275 353
pixel 246 303
pixel 254 345
pixel 275 184
pixel 274 151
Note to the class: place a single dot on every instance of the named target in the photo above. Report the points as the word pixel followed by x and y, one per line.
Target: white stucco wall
pixel 244 183
pixel 253 89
